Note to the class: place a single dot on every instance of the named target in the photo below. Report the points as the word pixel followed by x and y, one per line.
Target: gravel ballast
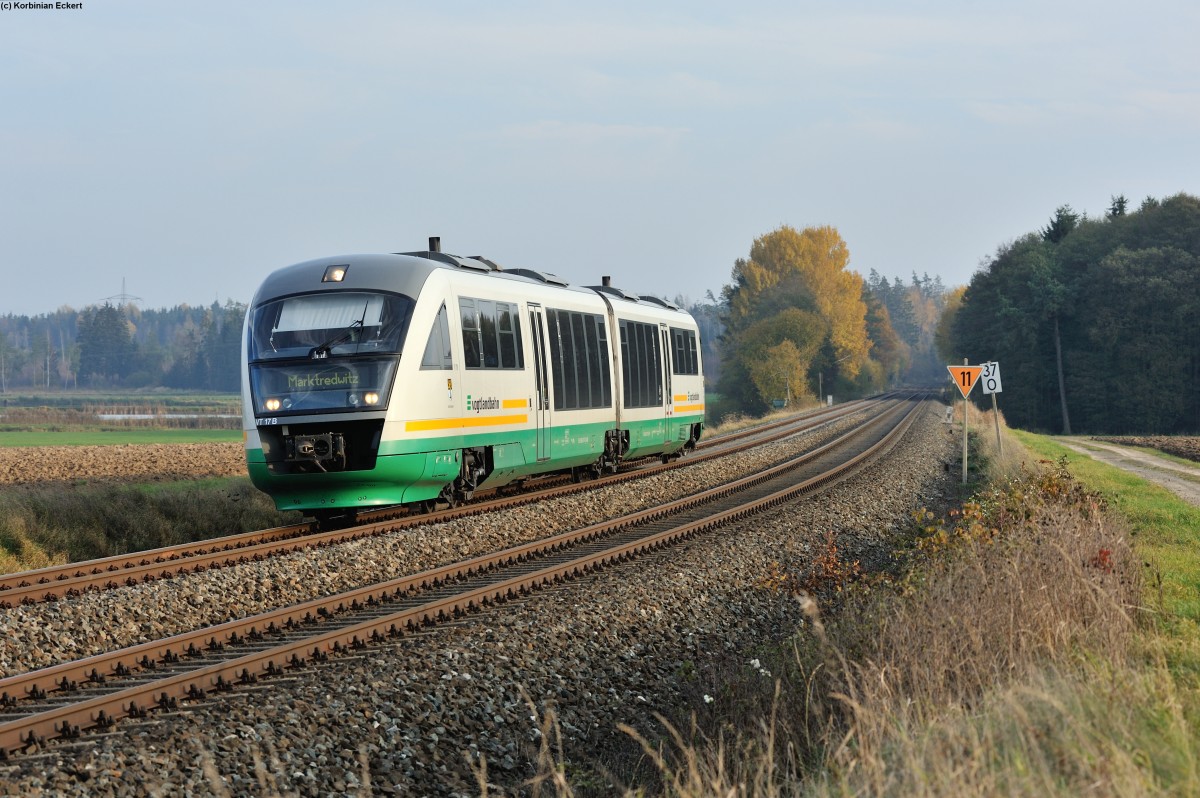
pixel 418 716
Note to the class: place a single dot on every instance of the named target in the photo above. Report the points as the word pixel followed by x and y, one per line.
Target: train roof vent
pixel 479 265
pixel 541 277
pixel 476 264
pixel 617 292
pixel 496 267
pixel 666 303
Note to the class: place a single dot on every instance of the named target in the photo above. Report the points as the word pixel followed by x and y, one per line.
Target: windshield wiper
pixel 321 352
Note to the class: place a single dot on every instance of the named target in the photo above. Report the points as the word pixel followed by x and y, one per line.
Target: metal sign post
pixel 991 384
pixel 965 378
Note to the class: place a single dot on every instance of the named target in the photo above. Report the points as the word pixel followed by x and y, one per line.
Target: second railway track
pixel 56 582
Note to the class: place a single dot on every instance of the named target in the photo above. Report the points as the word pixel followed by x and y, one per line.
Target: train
pixel 417 378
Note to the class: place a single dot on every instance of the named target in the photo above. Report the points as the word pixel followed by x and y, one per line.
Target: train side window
pixel 554 332
pixel 605 362
pixel 512 355
pixel 641 364
pixel 491 334
pixel 470 333
pixel 437 348
pixel 601 390
pixel 578 357
pixel 683 342
pixel 582 372
pixel 488 333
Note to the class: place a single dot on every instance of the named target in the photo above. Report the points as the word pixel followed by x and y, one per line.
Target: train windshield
pixel 325 352
pixel 318 326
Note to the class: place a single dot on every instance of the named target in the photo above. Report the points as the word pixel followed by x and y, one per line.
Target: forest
pixel 1095 322
pixel 123 346
pixel 794 324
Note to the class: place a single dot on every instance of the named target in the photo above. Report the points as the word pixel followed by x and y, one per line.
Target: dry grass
pixel 42 526
pixel 1000 666
pixel 957 688
pixel 733 422
pixel 1013 658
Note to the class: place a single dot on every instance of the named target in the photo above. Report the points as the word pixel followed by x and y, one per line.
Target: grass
pixel 45 526
pixel 1166 528
pixel 734 422
pixel 1023 649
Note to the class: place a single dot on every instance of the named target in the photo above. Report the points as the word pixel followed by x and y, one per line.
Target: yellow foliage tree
pixel 804 269
pixel 944 339
pixel 778 373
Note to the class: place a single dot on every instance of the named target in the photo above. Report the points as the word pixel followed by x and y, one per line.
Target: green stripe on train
pixel 408 471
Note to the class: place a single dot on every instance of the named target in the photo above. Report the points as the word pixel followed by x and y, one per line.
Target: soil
pixel 1186 447
pixel 22 465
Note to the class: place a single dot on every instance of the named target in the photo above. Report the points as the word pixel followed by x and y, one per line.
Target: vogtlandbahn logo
pixel 490 403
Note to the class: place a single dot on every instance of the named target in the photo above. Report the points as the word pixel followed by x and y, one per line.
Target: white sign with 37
pixel 989 378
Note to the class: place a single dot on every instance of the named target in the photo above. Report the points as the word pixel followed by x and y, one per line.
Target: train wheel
pixel 328 520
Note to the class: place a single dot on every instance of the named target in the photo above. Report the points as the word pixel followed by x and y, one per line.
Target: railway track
pixel 64 700
pixel 65 581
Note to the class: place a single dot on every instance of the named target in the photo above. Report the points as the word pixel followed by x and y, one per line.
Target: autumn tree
pixel 887 349
pixel 794 288
pixel 943 340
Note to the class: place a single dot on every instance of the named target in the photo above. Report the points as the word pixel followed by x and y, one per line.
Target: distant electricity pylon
pixel 122 298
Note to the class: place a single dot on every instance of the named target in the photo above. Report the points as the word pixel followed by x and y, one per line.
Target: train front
pixel 321 349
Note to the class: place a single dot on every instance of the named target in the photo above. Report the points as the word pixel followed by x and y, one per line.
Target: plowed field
pixel 131 462
pixel 1178 445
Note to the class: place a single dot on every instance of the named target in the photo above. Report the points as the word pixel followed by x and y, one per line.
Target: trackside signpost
pixel 990 380
pixel 964 377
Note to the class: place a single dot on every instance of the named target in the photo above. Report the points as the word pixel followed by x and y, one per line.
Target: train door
pixel 541 398
pixel 668 397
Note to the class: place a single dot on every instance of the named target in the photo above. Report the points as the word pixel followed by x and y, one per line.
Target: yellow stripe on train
pixel 689 408
pixel 431 424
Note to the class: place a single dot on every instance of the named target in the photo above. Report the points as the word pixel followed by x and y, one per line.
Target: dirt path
pixel 1180 479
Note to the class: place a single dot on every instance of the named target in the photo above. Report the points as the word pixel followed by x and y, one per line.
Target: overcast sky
pixel 186 149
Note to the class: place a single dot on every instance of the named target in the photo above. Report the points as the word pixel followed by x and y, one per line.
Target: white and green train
pixel 417 378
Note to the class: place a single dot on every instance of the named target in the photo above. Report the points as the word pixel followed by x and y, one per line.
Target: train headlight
pixel 352 399
pixel 371 398
pixel 272 404
pixel 334 274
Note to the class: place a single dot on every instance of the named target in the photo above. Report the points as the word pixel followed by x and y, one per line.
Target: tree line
pixel 1095 321
pixel 122 346
pixel 795 323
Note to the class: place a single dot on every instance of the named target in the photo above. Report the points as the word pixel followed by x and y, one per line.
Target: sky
pixel 178 152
